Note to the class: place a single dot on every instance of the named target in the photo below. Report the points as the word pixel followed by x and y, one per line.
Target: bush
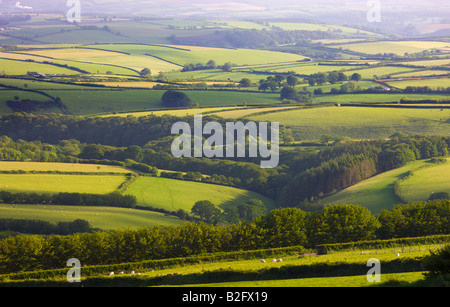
pixel 175 99
pixel 438 263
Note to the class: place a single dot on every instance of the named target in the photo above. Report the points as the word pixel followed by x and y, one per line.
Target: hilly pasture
pixel 360 122
pixel 426 181
pixel 376 193
pixel 173 194
pixel 104 218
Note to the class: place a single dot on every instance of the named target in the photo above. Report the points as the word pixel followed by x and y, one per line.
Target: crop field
pixel 360 122
pixel 397 47
pixel 243 112
pixel 177 112
pixel 428 63
pixel 186 54
pixel 422 73
pixel 369 73
pixel 104 218
pixel 132 100
pixel 432 83
pixel 312 69
pixel 376 193
pixel 320 27
pixel 173 194
pixel 54 183
pixel 13 67
pixel 369 98
pixel 60 167
pixel 85 37
pixel 135 62
pixel 426 181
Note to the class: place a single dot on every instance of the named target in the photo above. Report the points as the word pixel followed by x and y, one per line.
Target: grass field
pixel 132 100
pixel 360 122
pixel 376 193
pixel 188 54
pixel 13 67
pixel 60 167
pixel 178 112
pixel 98 217
pixel 54 183
pixel 367 98
pixel 323 282
pixel 432 83
pixel 369 73
pixel 173 194
pixel 396 47
pixel 254 265
pixel 426 181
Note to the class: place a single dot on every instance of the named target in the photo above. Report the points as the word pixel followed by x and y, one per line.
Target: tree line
pixel 28 226
pixel 114 199
pixel 278 228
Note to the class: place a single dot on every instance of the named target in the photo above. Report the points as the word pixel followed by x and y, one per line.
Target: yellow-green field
pixel 396 47
pixel 323 282
pixel 432 83
pixel 360 122
pixel 173 194
pixel 54 183
pixel 376 193
pixel 60 167
pixel 179 112
pixel 426 181
pixel 98 217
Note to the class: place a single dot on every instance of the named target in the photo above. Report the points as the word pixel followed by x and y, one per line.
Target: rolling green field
pixel 360 122
pixel 426 181
pixel 173 194
pixel 104 218
pixel 54 183
pixel 376 193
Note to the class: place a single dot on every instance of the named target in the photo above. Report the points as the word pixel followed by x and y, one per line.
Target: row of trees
pixel 278 228
pixel 29 226
pixel 114 199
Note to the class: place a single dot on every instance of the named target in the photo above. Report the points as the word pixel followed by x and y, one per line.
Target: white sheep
pixel 132 272
pixel 274 260
pixel 121 272
pixel 263 261
pixel 111 273
pixel 280 260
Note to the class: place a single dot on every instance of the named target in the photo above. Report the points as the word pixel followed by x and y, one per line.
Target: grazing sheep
pixel 121 272
pixel 398 255
pixel 111 273
pixel 132 272
pixel 280 260
pixel 274 260
pixel 263 261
